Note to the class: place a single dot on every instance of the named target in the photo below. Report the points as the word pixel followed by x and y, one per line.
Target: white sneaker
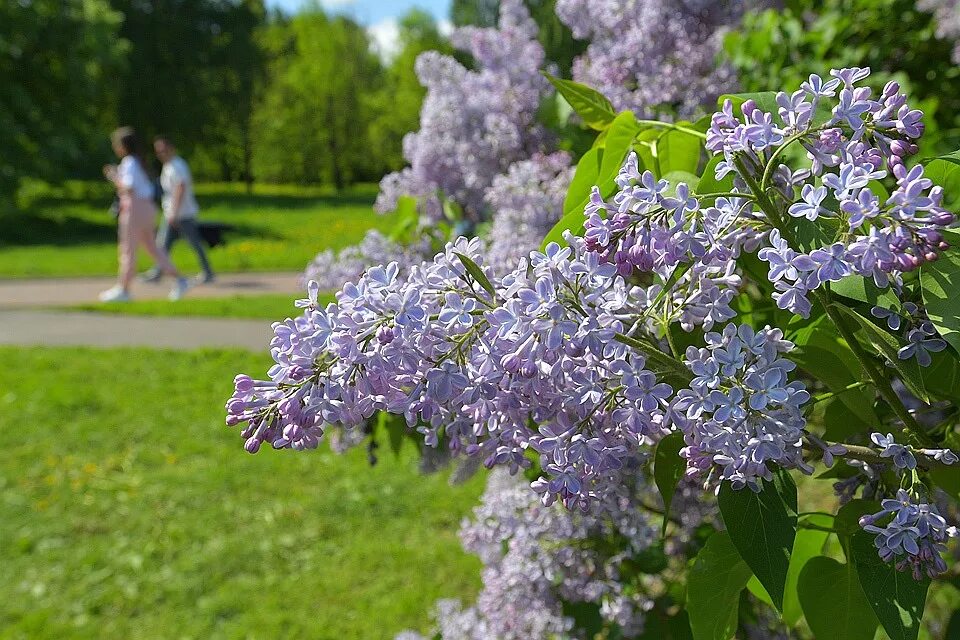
pixel 115 294
pixel 179 289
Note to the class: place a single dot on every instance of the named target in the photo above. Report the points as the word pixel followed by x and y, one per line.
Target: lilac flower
pixel 919 345
pixel 457 309
pixel 901 455
pixel 737 432
pixel 913 537
pixel 810 207
pixel 860 209
pixel 832 261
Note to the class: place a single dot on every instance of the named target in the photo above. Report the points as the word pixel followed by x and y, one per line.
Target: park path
pixel 55 292
pixel 77 328
pixel 27 316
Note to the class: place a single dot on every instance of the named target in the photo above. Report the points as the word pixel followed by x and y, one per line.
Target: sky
pixel 379 16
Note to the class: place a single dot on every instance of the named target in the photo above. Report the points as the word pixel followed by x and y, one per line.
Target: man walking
pixel 180 208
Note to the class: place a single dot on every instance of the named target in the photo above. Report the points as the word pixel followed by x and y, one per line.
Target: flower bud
pixel 243 383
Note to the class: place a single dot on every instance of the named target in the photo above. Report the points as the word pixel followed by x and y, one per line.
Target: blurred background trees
pixel 255 94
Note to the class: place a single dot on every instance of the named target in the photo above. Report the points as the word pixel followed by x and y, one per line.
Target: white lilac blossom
pixel 526 202
pixel 913 537
pixel 741 412
pixel 474 123
pixel 853 140
pixel 537 558
pixel 947 15
pixel 653 56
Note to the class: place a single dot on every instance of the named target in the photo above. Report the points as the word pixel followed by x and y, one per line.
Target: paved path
pixel 44 292
pixel 26 327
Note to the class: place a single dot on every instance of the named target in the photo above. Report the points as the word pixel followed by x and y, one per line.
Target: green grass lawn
pixel 128 510
pixel 69 232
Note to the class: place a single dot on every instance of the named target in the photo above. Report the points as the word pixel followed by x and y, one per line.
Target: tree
pixel 397 105
pixel 58 64
pixel 192 67
pixel 310 124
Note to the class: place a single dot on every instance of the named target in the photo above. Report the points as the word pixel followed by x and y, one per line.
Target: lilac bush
pixel 654 57
pixel 528 201
pixel 474 123
pixel 675 327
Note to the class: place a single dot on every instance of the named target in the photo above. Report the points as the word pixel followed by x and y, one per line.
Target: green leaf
pixel 572 222
pixel 953 627
pixel 864 290
pixel 588 169
pixel 714 583
pixel 763 527
pixel 887 345
pixel 945 173
pixel 668 468
pixel 407 217
pixel 825 356
pixel 847 521
pixel 474 270
pixel 708 181
pixel 679 151
pixel 676 177
pixel 897 599
pixel 950 158
pixel 940 282
pixel 833 602
pixel 809 544
pixel 597 112
pixel 766 101
pixel 617 143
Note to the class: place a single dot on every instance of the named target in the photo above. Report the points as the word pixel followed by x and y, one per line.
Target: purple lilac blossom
pixel 741 412
pixel 537 558
pixel 914 536
pixel 853 139
pixel 473 123
pixel 526 201
pixel 654 57
pixel 331 270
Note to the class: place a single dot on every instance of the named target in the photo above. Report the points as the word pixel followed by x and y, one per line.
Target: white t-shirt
pixel 132 176
pixel 176 172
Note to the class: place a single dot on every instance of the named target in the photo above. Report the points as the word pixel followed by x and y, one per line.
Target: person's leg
pixel 143 215
pixel 188 228
pixel 127 246
pixel 165 239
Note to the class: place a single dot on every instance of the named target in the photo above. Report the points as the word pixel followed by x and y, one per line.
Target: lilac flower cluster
pixel 741 412
pixel 903 456
pixel 526 202
pixel 532 365
pixel 947 15
pixel 654 57
pixel 914 536
pixel 536 558
pixel 473 123
pixel 331 270
pixel 853 141
pixel 649 228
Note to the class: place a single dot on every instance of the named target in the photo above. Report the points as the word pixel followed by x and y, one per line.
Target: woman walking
pixel 137 216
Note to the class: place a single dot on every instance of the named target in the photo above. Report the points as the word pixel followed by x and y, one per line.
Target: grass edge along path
pixel 130 511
